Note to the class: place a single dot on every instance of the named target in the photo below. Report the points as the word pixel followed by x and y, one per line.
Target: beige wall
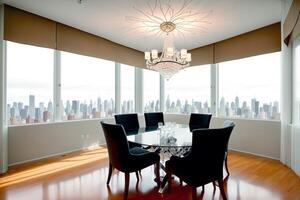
pixel 257 137
pixel 31 142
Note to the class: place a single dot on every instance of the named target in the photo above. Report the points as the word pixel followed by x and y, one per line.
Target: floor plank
pixel 82 175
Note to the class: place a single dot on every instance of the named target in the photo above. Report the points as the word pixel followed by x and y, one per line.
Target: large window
pixel 88 87
pixel 29 84
pixel 127 88
pixel 247 88
pixel 151 91
pixel 250 87
pixel 189 91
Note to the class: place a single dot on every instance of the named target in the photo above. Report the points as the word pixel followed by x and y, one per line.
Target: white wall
pixel 295 126
pixel 31 142
pixel 296 149
pixel 286 91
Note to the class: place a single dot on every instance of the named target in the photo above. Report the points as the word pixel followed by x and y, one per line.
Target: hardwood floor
pixel 83 176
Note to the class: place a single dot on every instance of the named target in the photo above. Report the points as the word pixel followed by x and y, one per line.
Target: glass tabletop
pixel 170 135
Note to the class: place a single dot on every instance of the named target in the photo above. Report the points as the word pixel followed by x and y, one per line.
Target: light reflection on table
pixel 154 136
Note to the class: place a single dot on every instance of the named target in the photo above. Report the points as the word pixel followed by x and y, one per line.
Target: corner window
pixel 250 87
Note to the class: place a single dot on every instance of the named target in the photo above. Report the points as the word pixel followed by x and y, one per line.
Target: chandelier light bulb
pixel 188 57
pixel 183 53
pixel 147 55
pixel 154 54
pixel 170 51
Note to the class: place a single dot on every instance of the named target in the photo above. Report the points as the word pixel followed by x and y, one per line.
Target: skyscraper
pixel 31 106
pixel 237 104
pixel 75 106
pixel 222 107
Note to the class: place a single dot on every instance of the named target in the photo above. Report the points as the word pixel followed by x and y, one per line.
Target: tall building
pixel 99 104
pixel 31 106
pixel 75 106
pixel 222 111
pixel 237 104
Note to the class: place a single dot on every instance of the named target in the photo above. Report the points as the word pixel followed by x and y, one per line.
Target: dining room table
pixel 168 140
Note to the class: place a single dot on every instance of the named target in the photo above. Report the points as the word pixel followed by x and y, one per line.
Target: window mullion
pixel 162 93
pixel 139 86
pixel 117 88
pixel 57 86
pixel 214 92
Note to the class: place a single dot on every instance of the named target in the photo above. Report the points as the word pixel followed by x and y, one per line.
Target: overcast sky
pixel 30 71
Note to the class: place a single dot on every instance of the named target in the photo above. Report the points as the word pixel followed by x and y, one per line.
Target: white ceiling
pixel 106 18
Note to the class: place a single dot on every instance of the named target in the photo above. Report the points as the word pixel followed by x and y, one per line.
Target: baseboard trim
pixel 99 145
pixel 54 155
pixel 255 154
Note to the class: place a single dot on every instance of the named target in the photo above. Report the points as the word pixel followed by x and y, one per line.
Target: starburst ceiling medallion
pixel 159 16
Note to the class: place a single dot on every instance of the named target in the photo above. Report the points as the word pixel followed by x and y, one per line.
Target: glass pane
pixel 250 87
pixel 127 89
pixel 88 87
pixel 29 84
pixel 189 91
pixel 151 91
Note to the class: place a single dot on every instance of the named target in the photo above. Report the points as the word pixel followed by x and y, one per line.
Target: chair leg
pixel 226 166
pixel 137 176
pixel 221 186
pixel 126 185
pixel 109 174
pixel 157 166
pixel 181 182
pixel 194 193
pixel 203 188
pixel 169 176
pixel 214 184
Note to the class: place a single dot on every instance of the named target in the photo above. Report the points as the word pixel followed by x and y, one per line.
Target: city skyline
pixel 21 113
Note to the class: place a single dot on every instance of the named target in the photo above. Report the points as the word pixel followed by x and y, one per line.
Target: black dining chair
pixel 204 163
pixel 130 124
pixel 153 118
pixel 124 159
pixel 199 121
pixel 227 123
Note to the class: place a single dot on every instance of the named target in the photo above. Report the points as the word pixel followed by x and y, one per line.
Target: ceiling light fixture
pixel 170 60
pixel 161 18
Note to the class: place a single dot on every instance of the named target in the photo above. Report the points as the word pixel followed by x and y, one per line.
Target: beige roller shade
pixel 291 26
pixel 24 27
pixel 27 28
pixel 202 55
pixel 76 41
pixel 260 41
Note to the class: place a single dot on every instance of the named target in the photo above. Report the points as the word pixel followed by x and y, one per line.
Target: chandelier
pixel 170 60
pixel 167 19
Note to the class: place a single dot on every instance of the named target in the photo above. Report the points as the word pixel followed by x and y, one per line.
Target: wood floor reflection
pixel 83 176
